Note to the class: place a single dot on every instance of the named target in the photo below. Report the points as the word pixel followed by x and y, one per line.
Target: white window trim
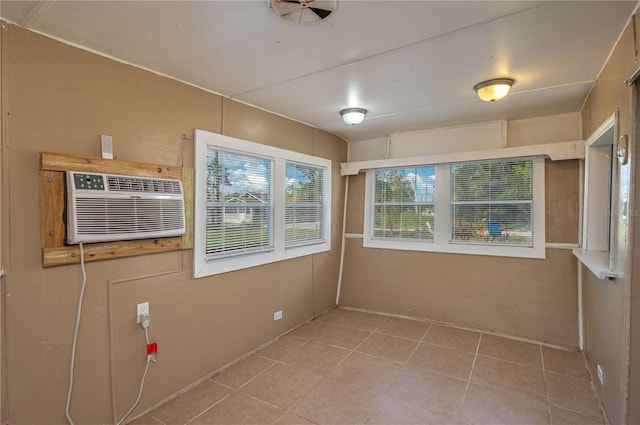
pixel 202 266
pixel 305 242
pixel 442 222
pixel 601 181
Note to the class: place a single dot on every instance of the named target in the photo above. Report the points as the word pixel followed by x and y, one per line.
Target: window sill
pixel 597 262
pixel 457 248
pixel 239 262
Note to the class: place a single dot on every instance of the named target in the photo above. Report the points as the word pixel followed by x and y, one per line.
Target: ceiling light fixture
pixel 492 90
pixel 353 116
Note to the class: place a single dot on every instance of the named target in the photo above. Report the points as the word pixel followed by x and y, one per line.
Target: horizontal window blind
pixel 257 204
pixel 491 202
pixel 404 203
pixel 239 217
pixel 305 209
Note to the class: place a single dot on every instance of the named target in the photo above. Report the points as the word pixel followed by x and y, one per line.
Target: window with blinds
pixel 239 217
pixel 492 202
pixel 404 203
pixel 489 207
pixel 256 204
pixel 304 205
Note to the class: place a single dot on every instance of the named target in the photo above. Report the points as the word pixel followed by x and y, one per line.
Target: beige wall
pixel 3 357
pixel 548 129
pixel 533 299
pixel 510 296
pixel 606 302
pixel 60 99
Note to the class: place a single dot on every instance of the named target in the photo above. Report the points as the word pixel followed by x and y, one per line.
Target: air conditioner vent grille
pixel 106 207
pixel 127 216
pixel 134 184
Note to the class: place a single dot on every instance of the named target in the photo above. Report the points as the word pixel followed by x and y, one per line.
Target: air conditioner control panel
pixel 88 181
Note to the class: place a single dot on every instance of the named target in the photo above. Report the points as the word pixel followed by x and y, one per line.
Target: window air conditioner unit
pixel 105 207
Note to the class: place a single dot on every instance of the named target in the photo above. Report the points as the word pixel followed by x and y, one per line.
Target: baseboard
pixel 468 328
pixel 220 369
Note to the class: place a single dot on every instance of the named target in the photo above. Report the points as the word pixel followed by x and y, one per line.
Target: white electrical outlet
pixel 143 308
pixel 600 374
pixel 277 315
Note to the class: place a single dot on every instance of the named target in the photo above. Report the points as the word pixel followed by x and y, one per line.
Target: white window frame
pixel 601 188
pixel 207 267
pixel 321 201
pixel 442 220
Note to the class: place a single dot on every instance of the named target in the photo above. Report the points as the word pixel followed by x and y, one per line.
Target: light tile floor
pixel 349 367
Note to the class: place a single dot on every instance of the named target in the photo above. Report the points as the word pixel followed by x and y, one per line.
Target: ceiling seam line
pixel 394 49
pixel 613 48
pixel 373 117
pixel 35 13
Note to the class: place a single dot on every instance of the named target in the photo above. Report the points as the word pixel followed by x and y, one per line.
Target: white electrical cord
pixel 144 376
pixel 145 326
pixel 75 335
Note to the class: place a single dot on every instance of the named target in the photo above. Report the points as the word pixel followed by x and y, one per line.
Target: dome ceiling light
pixel 492 90
pixel 353 116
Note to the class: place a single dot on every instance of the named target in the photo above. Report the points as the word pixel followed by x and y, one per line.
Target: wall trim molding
pixel 554 151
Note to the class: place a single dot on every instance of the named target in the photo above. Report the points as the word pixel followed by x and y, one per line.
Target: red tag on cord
pixel 152 348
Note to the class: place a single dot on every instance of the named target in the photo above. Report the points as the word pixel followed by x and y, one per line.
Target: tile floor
pixel 349 367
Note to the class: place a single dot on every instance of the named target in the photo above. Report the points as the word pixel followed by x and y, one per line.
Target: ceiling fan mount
pixel 303 11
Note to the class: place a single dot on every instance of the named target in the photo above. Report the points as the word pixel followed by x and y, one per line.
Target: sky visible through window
pixel 251 174
pixel 261 204
pixel 423 183
pixel 406 185
pixel 246 174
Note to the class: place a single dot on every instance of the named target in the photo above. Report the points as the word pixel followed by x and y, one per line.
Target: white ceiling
pixel 412 64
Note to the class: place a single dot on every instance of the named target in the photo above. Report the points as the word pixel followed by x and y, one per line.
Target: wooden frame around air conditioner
pixel 52 205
